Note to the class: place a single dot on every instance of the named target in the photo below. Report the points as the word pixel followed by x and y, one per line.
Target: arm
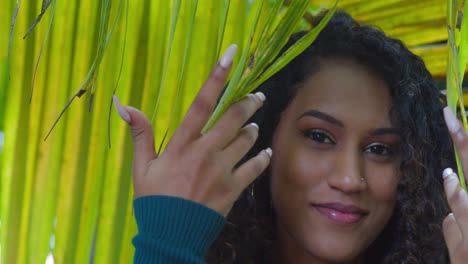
pixel 174 230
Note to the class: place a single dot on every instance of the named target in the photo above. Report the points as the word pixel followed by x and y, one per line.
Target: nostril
pixel 347 183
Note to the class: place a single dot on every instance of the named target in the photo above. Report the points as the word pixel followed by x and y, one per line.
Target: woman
pixel 355 124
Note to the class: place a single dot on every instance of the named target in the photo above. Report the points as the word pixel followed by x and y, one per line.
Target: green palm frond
pixel 252 69
pixel 44 7
pixel 104 36
pixel 158 54
pixel 12 27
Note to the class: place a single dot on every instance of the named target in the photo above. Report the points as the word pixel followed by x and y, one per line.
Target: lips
pixel 340 213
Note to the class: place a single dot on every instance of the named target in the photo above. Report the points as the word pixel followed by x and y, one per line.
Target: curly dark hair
pixel 413 233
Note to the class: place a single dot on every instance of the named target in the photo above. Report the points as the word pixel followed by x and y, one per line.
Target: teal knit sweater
pixel 174 230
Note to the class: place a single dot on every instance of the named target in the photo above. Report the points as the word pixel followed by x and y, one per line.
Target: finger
pixel 227 127
pixel 452 234
pixel 241 144
pixel 459 137
pixel 251 169
pixel 204 103
pixel 142 136
pixel 457 199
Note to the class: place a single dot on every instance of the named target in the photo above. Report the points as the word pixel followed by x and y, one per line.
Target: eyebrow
pixel 385 131
pixel 330 119
pixel 321 115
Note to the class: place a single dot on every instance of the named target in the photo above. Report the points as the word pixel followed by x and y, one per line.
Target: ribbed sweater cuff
pixel 177 223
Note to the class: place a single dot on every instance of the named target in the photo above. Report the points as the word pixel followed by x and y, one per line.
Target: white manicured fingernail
pixel 451 120
pixel 228 56
pixel 269 152
pixel 450 214
pixel 260 96
pixel 447 172
pixel 254 125
pixel 123 113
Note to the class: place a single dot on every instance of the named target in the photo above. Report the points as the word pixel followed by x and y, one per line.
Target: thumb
pixel 142 136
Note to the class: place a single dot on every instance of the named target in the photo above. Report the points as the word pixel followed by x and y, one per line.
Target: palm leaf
pixel 226 101
pixel 293 51
pixel 223 7
pixel 74 174
pixel 119 75
pixel 12 199
pixel 463 44
pixel 174 16
pixel 45 5
pixel 12 27
pixel 188 21
pixel 248 77
pixel 104 37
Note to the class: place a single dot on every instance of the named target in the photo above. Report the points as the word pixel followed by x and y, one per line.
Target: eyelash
pixel 387 150
pixel 320 137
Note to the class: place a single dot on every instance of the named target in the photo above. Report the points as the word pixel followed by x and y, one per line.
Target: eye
pixel 319 136
pixel 379 149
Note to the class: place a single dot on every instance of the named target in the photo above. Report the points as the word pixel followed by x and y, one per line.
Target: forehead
pixel 346 90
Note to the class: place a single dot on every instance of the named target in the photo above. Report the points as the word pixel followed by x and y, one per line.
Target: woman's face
pixel 335 168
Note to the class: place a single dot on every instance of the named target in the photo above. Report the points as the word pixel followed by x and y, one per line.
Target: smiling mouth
pixel 340 214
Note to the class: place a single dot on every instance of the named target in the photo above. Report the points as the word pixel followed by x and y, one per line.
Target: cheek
pixel 382 189
pixel 296 170
pixel 383 182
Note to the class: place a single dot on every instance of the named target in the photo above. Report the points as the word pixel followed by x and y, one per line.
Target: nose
pixel 348 174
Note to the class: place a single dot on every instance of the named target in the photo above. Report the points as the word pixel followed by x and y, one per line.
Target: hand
pixel 455 225
pixel 195 166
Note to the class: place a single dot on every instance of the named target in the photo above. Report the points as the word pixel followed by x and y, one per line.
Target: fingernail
pixel 451 120
pixel 254 125
pixel 226 60
pixel 450 176
pixel 123 113
pixel 260 96
pixel 447 172
pixel 450 214
pixel 269 152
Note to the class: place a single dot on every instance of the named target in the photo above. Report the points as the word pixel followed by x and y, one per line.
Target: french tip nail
pixel 254 125
pixel 123 113
pixel 451 120
pixel 269 152
pixel 228 56
pixel 260 96
pixel 447 172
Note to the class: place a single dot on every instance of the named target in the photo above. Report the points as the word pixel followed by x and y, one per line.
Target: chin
pixel 333 257
pixel 333 252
